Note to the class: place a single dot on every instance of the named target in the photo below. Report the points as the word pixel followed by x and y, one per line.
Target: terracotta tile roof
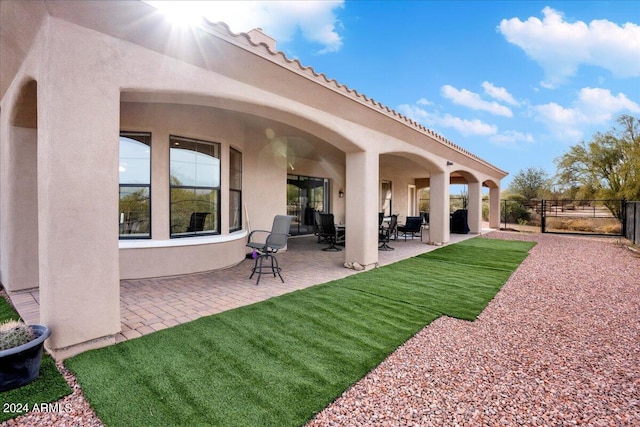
pixel 222 30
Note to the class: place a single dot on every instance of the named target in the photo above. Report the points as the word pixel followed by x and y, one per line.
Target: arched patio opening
pixel 270 155
pixel 20 256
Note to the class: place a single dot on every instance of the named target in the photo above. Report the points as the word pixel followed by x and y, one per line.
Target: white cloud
pixel 465 127
pixel 593 106
pixel 499 93
pixel 472 100
pixel 418 114
pixel 435 119
pixel 560 47
pixel 316 20
pixel 424 101
pixel 511 138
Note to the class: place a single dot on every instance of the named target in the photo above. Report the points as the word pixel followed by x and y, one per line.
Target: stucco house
pixel 131 148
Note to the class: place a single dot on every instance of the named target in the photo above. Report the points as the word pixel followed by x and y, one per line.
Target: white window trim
pixel 183 241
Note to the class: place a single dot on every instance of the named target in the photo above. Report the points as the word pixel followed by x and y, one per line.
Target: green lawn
pixel 48 387
pixel 278 362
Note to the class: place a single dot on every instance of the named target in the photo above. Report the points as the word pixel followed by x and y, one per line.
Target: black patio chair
pixel 425 215
pixel 264 249
pixel 317 229
pixel 196 222
pixel 330 233
pixel 412 227
pixel 385 233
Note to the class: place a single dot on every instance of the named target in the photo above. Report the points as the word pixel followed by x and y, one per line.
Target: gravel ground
pixel 558 346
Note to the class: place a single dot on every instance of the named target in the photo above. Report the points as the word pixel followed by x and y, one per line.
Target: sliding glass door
pixel 306 195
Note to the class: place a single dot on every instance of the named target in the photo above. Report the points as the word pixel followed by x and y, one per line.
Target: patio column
pixel 78 127
pixel 361 210
pixel 494 207
pixel 474 214
pixel 439 208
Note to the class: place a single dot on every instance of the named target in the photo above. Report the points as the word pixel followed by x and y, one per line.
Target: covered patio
pixel 149 305
pixel 146 151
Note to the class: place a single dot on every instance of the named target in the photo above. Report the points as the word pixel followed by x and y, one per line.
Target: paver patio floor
pixel 148 305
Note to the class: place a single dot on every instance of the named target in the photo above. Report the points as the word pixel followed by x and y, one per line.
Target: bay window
pixel 194 183
pixel 135 185
pixel 235 190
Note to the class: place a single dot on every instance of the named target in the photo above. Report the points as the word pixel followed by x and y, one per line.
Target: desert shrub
pixel 585 225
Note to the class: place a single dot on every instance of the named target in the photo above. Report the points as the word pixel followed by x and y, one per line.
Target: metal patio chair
pixel 412 227
pixel 267 246
pixel 330 233
pixel 385 233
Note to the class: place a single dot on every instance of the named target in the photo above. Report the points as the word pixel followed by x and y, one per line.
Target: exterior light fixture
pixel 449 163
pixel 341 193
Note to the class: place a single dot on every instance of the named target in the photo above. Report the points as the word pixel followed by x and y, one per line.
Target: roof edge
pixel 244 40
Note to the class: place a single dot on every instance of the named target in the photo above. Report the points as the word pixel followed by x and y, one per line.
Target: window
pixel 385 198
pixel 135 185
pixel 411 197
pixel 306 195
pixel 195 187
pixel 235 190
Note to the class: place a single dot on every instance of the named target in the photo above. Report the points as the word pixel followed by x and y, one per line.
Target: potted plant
pixel 20 353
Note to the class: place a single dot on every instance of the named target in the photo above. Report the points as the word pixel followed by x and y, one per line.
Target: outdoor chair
pixel 196 222
pixel 425 215
pixel 385 233
pixel 318 228
pixel 412 227
pixel 330 233
pixel 275 240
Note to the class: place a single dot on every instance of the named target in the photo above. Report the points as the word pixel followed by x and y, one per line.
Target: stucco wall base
pixel 60 354
pixel 181 256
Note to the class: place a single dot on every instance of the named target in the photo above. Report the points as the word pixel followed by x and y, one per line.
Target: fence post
pixel 623 206
pixel 635 223
pixel 504 213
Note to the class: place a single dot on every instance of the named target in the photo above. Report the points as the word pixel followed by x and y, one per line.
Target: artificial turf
pixel 49 387
pixel 280 361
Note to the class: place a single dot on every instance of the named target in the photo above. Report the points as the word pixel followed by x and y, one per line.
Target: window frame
pixel 148 142
pixel 388 197
pixel 215 190
pixel 232 189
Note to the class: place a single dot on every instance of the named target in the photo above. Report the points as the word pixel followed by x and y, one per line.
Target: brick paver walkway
pixel 149 305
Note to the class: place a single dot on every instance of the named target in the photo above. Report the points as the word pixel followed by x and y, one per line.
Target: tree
pixel 608 166
pixel 531 183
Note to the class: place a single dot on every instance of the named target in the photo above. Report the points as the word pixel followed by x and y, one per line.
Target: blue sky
pixel 515 82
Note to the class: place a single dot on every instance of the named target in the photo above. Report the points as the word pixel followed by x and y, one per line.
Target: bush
pixel 585 225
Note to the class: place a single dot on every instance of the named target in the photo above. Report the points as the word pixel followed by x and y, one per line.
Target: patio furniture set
pixel 264 244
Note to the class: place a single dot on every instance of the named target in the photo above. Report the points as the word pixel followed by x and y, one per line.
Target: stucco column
pixel 361 211
pixel 439 208
pixel 474 214
pixel 78 128
pixel 20 210
pixel 494 207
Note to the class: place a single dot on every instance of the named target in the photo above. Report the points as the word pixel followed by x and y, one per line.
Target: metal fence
pixel 632 222
pixel 599 217
pixel 521 215
pixel 595 217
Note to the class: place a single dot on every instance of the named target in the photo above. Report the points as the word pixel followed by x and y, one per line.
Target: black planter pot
pixel 21 365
